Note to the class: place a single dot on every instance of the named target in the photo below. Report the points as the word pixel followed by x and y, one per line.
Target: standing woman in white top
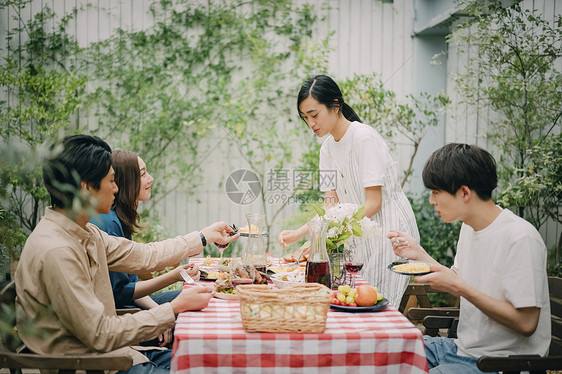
pixel 365 174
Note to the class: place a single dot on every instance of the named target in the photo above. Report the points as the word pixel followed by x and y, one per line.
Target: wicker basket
pixel 302 308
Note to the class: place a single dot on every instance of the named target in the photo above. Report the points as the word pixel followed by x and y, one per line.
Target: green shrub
pixel 439 239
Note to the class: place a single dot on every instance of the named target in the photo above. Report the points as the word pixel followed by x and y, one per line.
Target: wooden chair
pixel 15 360
pixel 515 363
pixel 419 291
pixel 535 364
pixel 416 314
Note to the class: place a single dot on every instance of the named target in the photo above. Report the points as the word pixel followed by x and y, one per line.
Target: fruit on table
pixel 366 295
pixel 347 296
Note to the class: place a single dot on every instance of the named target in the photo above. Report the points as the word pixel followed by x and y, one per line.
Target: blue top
pixel 123 284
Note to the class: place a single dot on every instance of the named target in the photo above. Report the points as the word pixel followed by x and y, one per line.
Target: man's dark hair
pixel 455 165
pixel 79 158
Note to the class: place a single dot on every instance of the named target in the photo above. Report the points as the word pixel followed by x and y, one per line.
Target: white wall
pixel 371 36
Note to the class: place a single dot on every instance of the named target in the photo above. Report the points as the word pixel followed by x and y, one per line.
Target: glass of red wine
pixel 221 247
pixel 353 264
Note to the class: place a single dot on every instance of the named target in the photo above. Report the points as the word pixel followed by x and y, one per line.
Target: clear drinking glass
pixel 254 253
pixel 353 264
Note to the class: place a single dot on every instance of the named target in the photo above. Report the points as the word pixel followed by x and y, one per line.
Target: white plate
pixel 226 296
pixel 280 283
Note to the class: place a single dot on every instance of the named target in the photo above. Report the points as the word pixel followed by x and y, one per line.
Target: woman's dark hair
pixel 455 165
pixel 78 158
pixel 127 178
pixel 324 90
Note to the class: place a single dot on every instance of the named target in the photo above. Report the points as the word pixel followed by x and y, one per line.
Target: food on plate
pixel 281 269
pixel 296 255
pixel 223 284
pixel 210 274
pixel 255 230
pixel 293 276
pixel 412 267
pixel 364 295
pixel 224 261
pixel 248 271
pixel 207 261
pixel 289 279
pixel 227 264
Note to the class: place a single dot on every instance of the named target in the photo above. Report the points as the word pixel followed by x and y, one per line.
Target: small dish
pixel 391 266
pixel 280 283
pixel 361 309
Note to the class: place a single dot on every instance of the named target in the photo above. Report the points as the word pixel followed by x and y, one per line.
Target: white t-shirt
pixel 507 261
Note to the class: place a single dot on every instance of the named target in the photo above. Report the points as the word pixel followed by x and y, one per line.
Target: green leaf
pixel 360 213
pixel 356 227
pixel 321 212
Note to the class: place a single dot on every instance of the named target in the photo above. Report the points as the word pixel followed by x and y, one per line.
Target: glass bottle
pixel 318 264
pixel 254 254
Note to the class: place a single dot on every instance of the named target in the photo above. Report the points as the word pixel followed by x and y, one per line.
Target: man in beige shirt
pixel 62 280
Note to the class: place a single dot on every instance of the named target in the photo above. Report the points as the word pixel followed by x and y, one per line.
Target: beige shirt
pixel 62 285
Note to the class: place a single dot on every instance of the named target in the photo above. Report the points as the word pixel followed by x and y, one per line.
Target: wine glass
pixel 221 248
pixel 353 264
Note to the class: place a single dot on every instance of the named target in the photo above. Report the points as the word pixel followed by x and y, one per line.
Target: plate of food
pixel 288 279
pixel 409 267
pixel 226 295
pixel 224 288
pixel 361 309
pixel 209 275
pixel 246 231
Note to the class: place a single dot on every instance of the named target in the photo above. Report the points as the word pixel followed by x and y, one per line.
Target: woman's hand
pixel 287 237
pixel 220 233
pixel 165 338
pixel 193 298
pixel 191 269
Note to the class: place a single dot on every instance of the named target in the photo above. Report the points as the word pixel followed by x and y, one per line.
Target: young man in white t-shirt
pixel 499 271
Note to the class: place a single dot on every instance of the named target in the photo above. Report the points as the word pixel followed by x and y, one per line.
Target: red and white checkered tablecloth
pixel 213 341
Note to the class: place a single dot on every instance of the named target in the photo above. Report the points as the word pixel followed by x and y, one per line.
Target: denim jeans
pixel 442 357
pixel 160 363
pixel 165 297
pixel 161 298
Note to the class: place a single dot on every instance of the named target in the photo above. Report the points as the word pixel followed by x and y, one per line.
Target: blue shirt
pixel 123 284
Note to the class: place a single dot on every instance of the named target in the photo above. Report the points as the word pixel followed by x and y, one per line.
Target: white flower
pixel 340 211
pixel 342 221
pixel 334 231
pixel 370 228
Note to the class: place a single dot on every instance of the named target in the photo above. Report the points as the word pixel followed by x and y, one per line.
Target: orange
pixel 366 296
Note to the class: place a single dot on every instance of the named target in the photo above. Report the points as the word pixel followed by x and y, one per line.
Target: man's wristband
pixel 203 240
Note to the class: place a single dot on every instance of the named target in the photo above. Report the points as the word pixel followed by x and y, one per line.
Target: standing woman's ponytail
pixel 324 90
pixel 349 113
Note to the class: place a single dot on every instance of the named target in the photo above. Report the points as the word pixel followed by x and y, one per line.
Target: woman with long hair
pixel 365 174
pixel 135 184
